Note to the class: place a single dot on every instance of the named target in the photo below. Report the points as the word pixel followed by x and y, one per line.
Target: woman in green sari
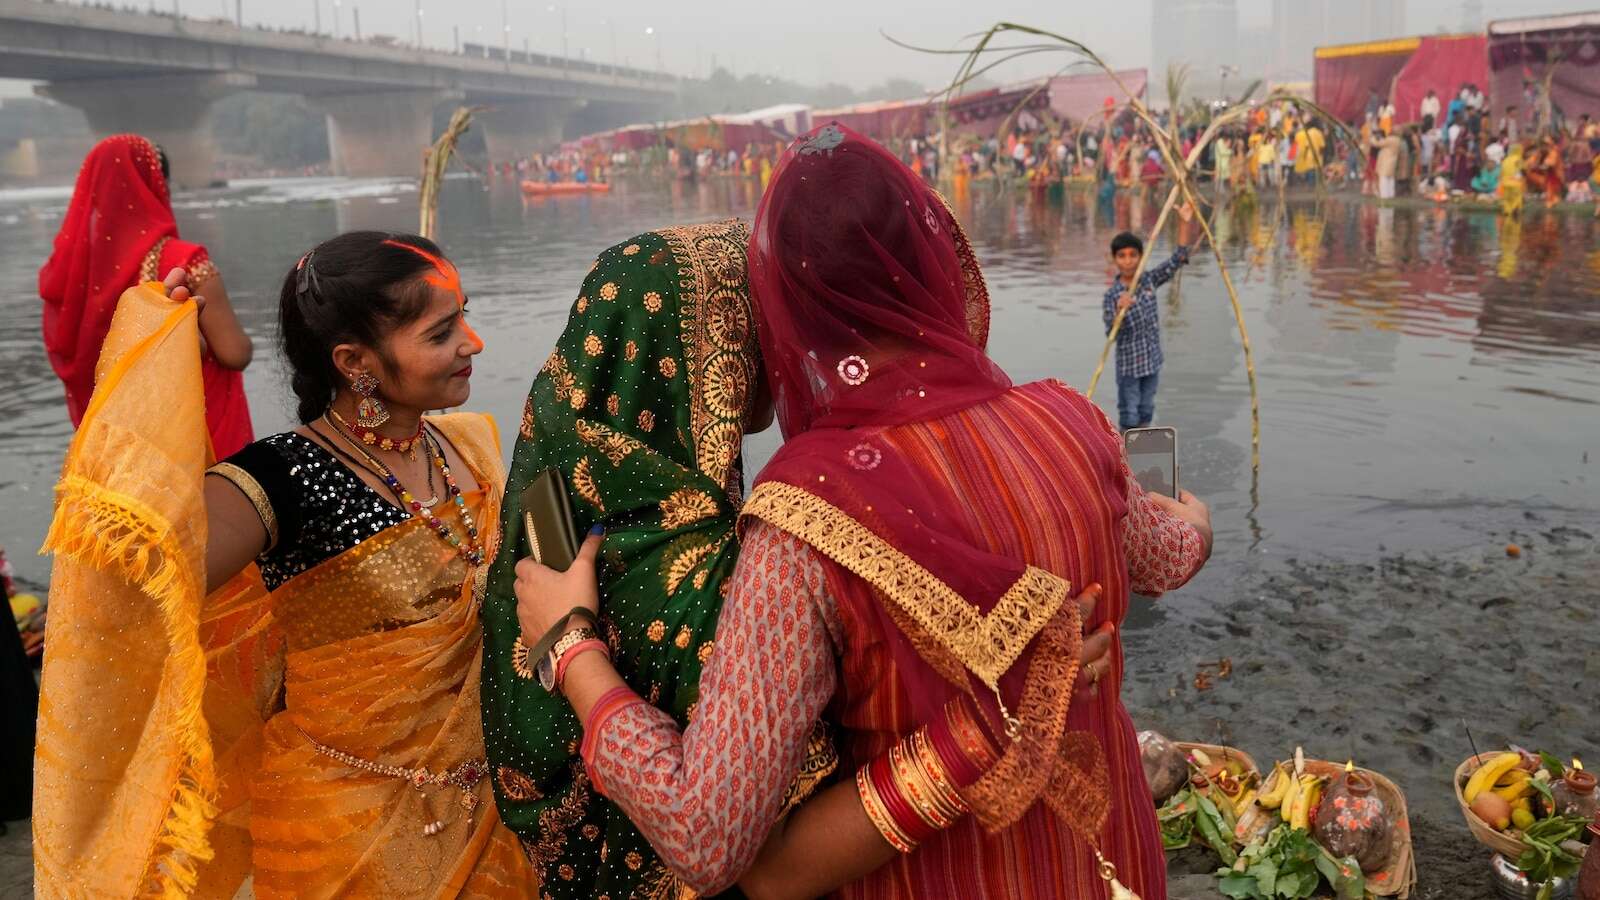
pixel 642 408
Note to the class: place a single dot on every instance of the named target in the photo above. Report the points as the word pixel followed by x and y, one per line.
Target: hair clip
pixel 305 282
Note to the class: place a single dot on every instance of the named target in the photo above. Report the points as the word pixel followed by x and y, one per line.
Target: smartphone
pixel 1153 457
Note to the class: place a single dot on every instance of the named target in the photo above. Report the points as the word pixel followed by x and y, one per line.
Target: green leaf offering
pixel 1288 865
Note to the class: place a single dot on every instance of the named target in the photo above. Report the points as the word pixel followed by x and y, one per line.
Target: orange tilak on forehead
pixel 445 278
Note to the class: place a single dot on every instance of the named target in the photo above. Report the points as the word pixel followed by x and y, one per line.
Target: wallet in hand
pixel 549 534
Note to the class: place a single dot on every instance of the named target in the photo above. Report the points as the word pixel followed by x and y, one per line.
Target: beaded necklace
pixel 470 549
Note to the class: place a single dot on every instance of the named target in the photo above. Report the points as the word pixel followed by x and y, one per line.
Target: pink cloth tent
pixel 1522 51
pixel 1443 63
pixel 1346 73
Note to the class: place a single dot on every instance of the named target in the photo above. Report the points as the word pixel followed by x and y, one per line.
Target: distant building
pixel 1300 26
pixel 1202 34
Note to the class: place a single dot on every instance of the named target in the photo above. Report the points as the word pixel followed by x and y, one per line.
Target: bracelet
pixel 591 642
pixel 880 817
pixel 961 743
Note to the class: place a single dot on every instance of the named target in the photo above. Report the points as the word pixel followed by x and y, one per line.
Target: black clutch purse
pixel 549 534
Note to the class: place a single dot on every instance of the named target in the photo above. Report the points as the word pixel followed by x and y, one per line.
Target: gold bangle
pixel 917 792
pixel 880 817
pixel 934 771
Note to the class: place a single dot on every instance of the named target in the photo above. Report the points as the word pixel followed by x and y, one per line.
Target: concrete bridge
pixel 159 76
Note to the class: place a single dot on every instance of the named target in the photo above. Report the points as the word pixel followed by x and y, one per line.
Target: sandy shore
pixel 1382 662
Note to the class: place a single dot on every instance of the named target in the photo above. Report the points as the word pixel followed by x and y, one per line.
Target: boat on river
pixel 565 187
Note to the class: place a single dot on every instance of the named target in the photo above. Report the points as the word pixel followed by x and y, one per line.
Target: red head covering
pixel 873 314
pixel 120 209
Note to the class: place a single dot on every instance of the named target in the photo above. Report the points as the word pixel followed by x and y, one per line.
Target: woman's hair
pixel 355 288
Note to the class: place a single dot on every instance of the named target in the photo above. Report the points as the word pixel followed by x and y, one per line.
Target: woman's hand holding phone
pixel 1190 509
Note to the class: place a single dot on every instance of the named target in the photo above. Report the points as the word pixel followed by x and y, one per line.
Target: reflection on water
pixel 1423 371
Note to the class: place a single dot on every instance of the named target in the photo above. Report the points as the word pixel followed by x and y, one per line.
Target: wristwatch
pixel 546 668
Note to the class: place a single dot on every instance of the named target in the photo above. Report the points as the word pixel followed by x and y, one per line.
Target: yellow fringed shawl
pixel 129 805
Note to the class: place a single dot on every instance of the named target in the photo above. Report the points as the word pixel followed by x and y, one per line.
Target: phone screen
pixel 1153 457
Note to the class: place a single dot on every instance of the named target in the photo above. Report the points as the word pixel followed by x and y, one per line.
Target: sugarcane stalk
pixel 435 160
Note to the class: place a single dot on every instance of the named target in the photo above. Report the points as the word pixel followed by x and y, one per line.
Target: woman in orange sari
pixel 910 550
pixel 273 671
pixel 119 230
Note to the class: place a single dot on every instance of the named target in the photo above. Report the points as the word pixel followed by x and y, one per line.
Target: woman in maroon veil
pixel 907 567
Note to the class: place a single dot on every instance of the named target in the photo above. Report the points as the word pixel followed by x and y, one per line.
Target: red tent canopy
pixel 1345 74
pixel 1443 64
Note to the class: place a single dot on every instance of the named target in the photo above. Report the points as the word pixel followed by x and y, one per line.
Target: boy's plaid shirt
pixel 1139 338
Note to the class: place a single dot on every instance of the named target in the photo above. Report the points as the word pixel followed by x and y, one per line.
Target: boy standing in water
pixel 1139 355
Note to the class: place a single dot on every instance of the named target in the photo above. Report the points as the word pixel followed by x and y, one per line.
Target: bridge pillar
pixel 382 132
pixel 171 110
pixel 514 130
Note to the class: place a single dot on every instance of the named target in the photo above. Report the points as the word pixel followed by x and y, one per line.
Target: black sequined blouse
pixel 321 507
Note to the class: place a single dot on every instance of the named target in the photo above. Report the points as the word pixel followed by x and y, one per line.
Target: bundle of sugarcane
pixel 1165 143
pixel 435 160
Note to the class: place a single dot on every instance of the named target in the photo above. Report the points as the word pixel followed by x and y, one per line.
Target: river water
pixel 1428 376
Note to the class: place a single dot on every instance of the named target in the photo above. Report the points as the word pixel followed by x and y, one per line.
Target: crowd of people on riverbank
pixel 1442 151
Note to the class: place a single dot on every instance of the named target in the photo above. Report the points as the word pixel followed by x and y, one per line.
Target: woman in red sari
pixel 911 548
pixel 119 230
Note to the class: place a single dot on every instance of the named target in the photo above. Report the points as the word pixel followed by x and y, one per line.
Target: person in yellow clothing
pixel 1511 182
pixel 1309 143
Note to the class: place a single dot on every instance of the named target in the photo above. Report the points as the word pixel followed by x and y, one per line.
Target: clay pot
pixel 1575 794
pixel 1589 875
pixel 1352 821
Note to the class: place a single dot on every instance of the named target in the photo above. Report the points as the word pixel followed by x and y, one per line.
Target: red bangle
pixel 895 804
pixel 572 653
pixel 960 744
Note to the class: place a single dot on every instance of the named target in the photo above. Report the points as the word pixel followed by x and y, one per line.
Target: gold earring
pixel 370 411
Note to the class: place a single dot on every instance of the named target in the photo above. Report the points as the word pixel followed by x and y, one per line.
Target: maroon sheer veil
pixel 872 314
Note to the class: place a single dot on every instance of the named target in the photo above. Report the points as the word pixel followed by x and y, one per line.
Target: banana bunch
pixel 1295 797
pixel 1489 774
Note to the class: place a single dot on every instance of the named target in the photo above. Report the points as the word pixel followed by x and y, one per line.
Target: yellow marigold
pixel 669 366
pixel 608 291
pixel 652 302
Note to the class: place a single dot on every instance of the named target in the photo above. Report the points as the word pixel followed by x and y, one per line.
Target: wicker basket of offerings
pixel 1506 844
pixel 1396 875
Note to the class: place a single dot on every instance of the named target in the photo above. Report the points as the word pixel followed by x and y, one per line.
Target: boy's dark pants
pixel 1136 400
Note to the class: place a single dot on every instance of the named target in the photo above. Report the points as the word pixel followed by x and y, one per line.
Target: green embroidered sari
pixel 642 408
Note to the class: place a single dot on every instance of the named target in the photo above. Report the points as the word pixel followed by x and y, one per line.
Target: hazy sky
pixel 810 41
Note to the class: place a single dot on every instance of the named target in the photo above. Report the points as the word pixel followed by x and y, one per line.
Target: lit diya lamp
pixel 1353 820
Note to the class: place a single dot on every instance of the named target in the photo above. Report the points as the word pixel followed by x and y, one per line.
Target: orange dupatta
pixel 173 755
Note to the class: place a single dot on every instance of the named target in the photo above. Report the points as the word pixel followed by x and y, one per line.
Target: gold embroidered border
pixel 721 363
pixel 977 290
pixel 247 485
pixel 150 265
pixel 987 645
